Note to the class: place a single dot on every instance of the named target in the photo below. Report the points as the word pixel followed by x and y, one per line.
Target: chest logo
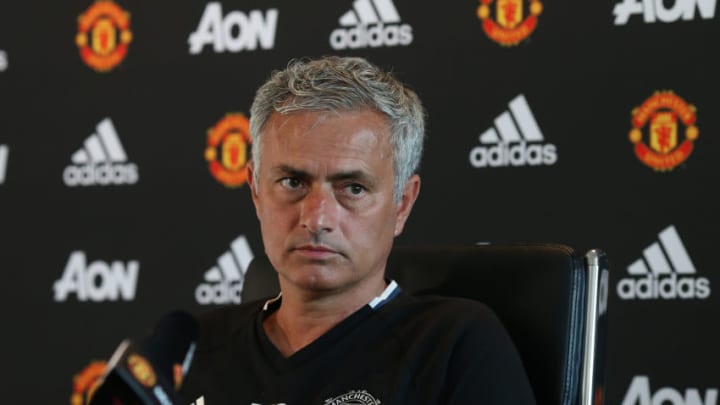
pixel 359 397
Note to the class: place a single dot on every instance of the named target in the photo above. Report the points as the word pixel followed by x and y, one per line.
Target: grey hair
pixel 335 83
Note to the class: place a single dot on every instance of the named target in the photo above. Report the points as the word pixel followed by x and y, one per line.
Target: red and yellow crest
pixel 103 35
pixel 510 24
pixel 86 382
pixel 664 113
pixel 228 150
pixel 141 370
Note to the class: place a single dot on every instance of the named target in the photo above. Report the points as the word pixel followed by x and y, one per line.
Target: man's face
pixel 324 197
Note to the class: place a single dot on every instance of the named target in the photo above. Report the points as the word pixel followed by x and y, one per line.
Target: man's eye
pixel 291 183
pixel 355 189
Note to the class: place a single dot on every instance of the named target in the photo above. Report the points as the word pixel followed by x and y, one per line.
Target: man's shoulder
pixel 425 315
pixel 217 325
pixel 449 308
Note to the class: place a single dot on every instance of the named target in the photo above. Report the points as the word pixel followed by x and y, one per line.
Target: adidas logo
pixel 224 282
pixel 199 401
pixel 517 140
pixel 374 23
pixel 3 61
pixel 671 273
pixel 101 161
pixel 4 151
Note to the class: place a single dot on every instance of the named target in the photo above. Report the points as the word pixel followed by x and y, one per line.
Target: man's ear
pixel 409 195
pixel 253 186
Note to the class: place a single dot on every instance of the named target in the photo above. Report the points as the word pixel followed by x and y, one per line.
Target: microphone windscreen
pixel 150 372
pixel 171 342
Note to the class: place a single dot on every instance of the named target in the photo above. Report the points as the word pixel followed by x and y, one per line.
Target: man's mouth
pixel 316 251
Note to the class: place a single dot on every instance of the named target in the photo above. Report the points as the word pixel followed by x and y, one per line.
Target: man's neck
pixel 303 317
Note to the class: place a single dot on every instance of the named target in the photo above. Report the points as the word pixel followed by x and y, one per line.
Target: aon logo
pixel 639 394
pixel 97 281
pixel 663 10
pixel 235 32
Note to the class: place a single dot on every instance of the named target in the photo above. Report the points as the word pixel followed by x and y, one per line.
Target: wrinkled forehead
pixel 345 140
pixel 334 122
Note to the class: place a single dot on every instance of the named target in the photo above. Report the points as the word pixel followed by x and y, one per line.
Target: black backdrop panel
pixel 87 265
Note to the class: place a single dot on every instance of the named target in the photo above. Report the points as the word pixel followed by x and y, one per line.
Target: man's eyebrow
pixel 291 171
pixel 339 176
pixel 350 175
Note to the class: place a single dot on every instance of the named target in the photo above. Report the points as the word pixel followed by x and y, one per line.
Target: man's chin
pixel 316 284
pixel 315 275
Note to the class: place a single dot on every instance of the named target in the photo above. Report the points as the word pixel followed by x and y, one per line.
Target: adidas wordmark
pixel 665 272
pixel 371 23
pixel 224 282
pixel 515 140
pixel 101 161
pixel 4 151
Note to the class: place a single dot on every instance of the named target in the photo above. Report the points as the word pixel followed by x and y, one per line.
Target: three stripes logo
pixel 224 282
pixel 101 160
pixel 371 23
pixel 664 272
pixel 515 140
pixel 4 151
pixel 3 61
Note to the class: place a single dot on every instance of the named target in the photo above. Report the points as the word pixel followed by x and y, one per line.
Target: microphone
pixel 150 372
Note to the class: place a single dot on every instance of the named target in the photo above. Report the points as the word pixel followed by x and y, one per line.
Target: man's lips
pixel 316 250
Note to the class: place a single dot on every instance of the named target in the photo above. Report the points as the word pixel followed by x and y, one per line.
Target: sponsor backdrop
pixel 124 139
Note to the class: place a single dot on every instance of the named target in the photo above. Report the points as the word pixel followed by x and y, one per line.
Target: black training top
pixel 398 350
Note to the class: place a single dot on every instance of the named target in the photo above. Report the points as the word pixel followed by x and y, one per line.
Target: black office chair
pixel 552 301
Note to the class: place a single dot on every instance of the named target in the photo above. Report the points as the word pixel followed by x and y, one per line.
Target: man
pixel 336 146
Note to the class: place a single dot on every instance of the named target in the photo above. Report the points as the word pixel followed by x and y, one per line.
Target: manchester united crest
pixel 227 150
pixel 354 397
pixel 103 35
pixel 86 382
pixel 663 130
pixel 141 370
pixel 508 22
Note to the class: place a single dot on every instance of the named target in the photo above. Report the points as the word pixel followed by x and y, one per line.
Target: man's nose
pixel 319 210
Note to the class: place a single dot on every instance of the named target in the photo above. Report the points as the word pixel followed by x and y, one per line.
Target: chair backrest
pixel 552 301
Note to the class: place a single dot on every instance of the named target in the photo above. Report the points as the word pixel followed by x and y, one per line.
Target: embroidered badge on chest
pixel 359 397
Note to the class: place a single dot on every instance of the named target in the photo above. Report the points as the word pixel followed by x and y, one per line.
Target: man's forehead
pixel 363 132
pixel 338 144
pixel 311 120
pixel 328 164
